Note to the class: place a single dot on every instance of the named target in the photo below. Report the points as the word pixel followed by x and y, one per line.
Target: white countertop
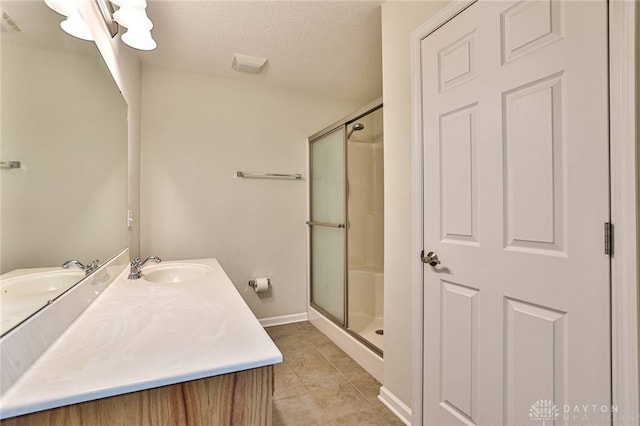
pixel 139 335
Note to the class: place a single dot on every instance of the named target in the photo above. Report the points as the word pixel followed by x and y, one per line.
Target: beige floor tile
pixel 282 330
pixel 350 368
pixel 331 351
pixel 319 385
pixel 286 382
pixel 371 417
pixel 390 418
pixel 309 359
pixel 316 337
pixel 295 353
pixel 369 387
pixel 318 374
pixel 291 341
pixel 340 400
pixel 298 410
pixel 305 326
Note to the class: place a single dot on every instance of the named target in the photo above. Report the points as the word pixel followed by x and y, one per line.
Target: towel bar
pixel 268 175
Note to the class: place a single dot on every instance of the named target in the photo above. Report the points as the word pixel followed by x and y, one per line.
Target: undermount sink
pixel 40 283
pixel 175 273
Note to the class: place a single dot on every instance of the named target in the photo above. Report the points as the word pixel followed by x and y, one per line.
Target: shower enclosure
pixel 347 223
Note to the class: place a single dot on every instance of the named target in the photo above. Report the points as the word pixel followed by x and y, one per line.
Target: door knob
pixel 431 258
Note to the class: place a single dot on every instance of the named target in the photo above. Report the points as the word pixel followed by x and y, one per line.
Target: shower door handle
pixel 325 224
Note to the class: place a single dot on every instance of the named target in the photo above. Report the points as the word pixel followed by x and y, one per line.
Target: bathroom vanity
pixel 178 346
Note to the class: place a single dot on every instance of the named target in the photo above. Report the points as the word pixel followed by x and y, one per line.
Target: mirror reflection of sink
pixel 23 292
pixel 174 273
pixel 50 283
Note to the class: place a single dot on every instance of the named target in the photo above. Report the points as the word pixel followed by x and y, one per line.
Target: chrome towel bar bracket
pixel 10 164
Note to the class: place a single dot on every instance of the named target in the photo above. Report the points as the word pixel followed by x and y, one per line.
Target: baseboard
pixel 283 319
pixel 397 407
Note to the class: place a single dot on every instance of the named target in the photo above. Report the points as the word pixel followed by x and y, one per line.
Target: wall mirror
pixel 64 119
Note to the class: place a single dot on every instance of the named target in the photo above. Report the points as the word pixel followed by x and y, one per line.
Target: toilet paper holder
pixel 253 284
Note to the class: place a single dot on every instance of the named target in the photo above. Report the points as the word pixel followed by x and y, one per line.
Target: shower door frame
pixel 342 123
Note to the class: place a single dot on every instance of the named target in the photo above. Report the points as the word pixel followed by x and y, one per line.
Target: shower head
pixel 356 127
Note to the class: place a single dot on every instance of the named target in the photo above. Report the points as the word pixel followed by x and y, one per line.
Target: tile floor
pixel 319 384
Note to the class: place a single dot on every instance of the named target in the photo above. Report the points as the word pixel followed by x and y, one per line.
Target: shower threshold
pixel 369 332
pixel 350 342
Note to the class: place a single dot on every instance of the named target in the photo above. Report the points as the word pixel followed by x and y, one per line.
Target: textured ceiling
pixel 327 48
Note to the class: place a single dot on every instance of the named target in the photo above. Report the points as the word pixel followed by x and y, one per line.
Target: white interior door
pixel 516 194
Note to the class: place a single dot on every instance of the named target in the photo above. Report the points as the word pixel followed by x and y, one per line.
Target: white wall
pixel 399 19
pixel 197 131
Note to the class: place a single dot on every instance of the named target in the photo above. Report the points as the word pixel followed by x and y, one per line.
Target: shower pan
pixel 346 225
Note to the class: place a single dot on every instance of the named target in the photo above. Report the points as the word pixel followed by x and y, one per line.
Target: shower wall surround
pixel 192 203
pixel 366 229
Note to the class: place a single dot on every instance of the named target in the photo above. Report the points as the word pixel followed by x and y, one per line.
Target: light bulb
pixel 130 4
pixel 63 7
pixel 129 18
pixel 75 26
pixel 139 39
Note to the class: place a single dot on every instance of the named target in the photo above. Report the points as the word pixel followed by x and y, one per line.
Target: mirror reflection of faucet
pixel 137 265
pixel 92 266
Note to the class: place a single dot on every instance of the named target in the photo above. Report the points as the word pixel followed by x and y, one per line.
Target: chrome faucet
pixel 136 265
pixel 92 266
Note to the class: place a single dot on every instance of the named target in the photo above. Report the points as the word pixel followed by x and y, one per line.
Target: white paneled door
pixel 516 195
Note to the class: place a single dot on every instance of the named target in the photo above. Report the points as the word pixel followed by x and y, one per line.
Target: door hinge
pixel 608 238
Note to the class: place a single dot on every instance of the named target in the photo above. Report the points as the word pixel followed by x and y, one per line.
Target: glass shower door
pixel 328 215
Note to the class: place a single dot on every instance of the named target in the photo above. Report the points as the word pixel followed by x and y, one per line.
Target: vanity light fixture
pixel 132 18
pixel 73 24
pixel 106 10
pixel 132 15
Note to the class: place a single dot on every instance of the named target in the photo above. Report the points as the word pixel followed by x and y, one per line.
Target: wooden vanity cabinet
pixel 243 398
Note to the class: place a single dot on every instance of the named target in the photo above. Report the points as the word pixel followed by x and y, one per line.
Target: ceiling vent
pixel 246 63
pixel 8 24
